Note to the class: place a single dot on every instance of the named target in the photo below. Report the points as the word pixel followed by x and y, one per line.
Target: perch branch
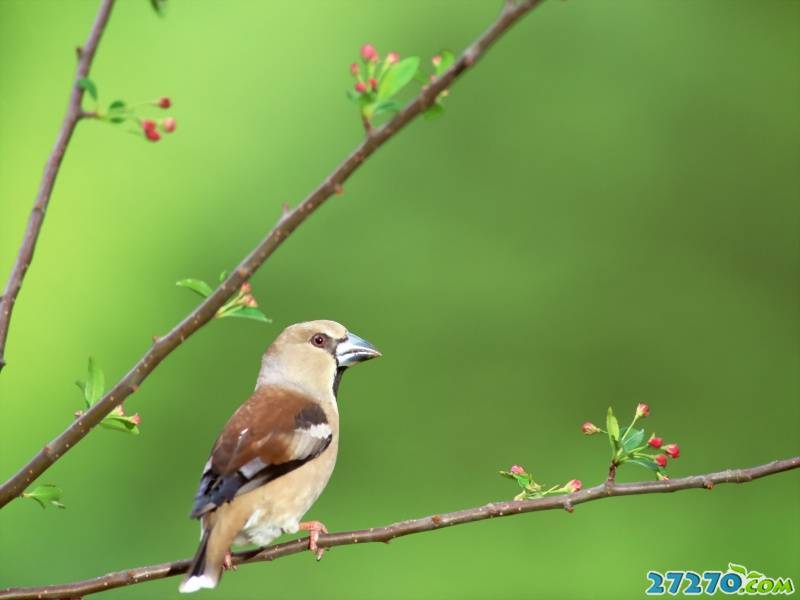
pixel 390 532
pixel 74 114
pixel 287 223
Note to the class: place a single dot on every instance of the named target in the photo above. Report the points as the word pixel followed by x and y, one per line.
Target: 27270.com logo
pixel 738 579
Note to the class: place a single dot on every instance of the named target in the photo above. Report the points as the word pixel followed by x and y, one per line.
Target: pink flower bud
pixel 165 102
pixel 169 124
pixel 246 288
pixel 655 442
pixel 373 83
pixel 361 87
pixel 589 428
pixel 392 58
pixel 148 124
pixel 136 419
pixel 517 470
pixel 436 60
pixel 368 52
pixel 642 410
pixel 673 450
pixel 152 135
pixel 574 485
pixel 249 301
pixel 354 69
pixel 661 460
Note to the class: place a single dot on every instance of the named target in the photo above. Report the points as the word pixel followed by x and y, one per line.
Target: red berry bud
pixel 361 87
pixel 642 410
pixel 661 460
pixel 165 102
pixel 517 470
pixel 148 124
pixel 373 83
pixel 436 60
pixel 589 428
pixel 655 442
pixel 136 419
pixel 354 69
pixel 673 450
pixel 152 135
pixel 368 52
pixel 169 124
pixel 392 58
pixel 574 485
pixel 246 288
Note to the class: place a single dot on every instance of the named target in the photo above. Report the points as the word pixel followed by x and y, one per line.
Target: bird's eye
pixel 318 340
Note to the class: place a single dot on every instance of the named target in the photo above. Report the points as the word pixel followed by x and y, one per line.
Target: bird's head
pixel 313 355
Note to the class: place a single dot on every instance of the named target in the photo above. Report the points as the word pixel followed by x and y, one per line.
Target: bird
pixel 277 452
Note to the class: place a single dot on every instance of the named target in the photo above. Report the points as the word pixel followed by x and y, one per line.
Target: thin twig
pixel 390 532
pixel 286 225
pixel 74 114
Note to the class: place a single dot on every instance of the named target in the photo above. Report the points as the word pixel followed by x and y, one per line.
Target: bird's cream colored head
pixel 312 356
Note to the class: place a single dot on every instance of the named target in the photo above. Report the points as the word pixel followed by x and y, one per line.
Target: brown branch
pixel 74 114
pixel 286 225
pixel 390 532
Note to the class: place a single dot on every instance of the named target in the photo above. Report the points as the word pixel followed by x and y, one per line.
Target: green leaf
pixel 87 84
pixel 246 312
pixel 196 285
pixel 353 95
pixel 448 58
pixel 117 120
pixel 120 423
pixel 95 384
pixel 611 425
pixel 116 105
pixel 158 6
pixel 434 111
pixel 647 463
pixel 398 77
pixel 46 494
pixel 737 568
pixel 633 440
pixel 223 276
pixel 386 106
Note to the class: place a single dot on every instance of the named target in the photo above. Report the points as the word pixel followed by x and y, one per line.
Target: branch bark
pixel 396 530
pixel 287 223
pixel 74 114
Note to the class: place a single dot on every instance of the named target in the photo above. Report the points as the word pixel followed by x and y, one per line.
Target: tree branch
pixel 74 114
pixel 390 532
pixel 287 223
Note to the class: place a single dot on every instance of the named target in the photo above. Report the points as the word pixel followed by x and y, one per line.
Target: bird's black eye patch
pixel 319 339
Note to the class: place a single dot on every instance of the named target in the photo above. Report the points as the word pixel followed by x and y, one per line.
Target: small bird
pixel 277 452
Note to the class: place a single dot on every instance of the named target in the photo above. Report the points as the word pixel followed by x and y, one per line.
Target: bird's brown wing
pixel 274 432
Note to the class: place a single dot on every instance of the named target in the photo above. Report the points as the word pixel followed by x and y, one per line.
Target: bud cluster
pixel 371 71
pixel 629 446
pixel 531 489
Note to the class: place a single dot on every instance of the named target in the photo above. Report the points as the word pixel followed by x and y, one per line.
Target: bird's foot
pixel 227 562
pixel 314 528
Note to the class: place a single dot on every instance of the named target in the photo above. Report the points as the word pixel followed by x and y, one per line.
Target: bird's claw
pixel 227 562
pixel 314 528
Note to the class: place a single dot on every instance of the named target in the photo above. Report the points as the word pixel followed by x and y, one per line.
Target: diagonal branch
pixel 74 114
pixel 288 222
pixel 390 532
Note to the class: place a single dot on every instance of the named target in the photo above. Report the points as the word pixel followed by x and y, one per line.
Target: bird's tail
pixel 200 574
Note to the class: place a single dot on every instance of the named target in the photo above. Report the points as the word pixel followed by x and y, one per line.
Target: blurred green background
pixel 607 214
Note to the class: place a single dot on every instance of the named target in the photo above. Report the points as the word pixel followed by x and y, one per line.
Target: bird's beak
pixel 353 349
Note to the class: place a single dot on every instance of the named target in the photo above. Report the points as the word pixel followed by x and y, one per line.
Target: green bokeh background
pixel 607 214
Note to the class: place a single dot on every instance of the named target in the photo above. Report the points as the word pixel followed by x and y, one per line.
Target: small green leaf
pixel 120 423
pixel 87 84
pixel 246 312
pixel 117 120
pixel 398 77
pixel 386 106
pixel 196 285
pixel 116 105
pixel 611 425
pixel 434 111
pixel 46 494
pixel 737 568
pixel 223 276
pixel 633 440
pixel 95 384
pixel 644 462
pixel 353 95
pixel 448 58
pixel 158 6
